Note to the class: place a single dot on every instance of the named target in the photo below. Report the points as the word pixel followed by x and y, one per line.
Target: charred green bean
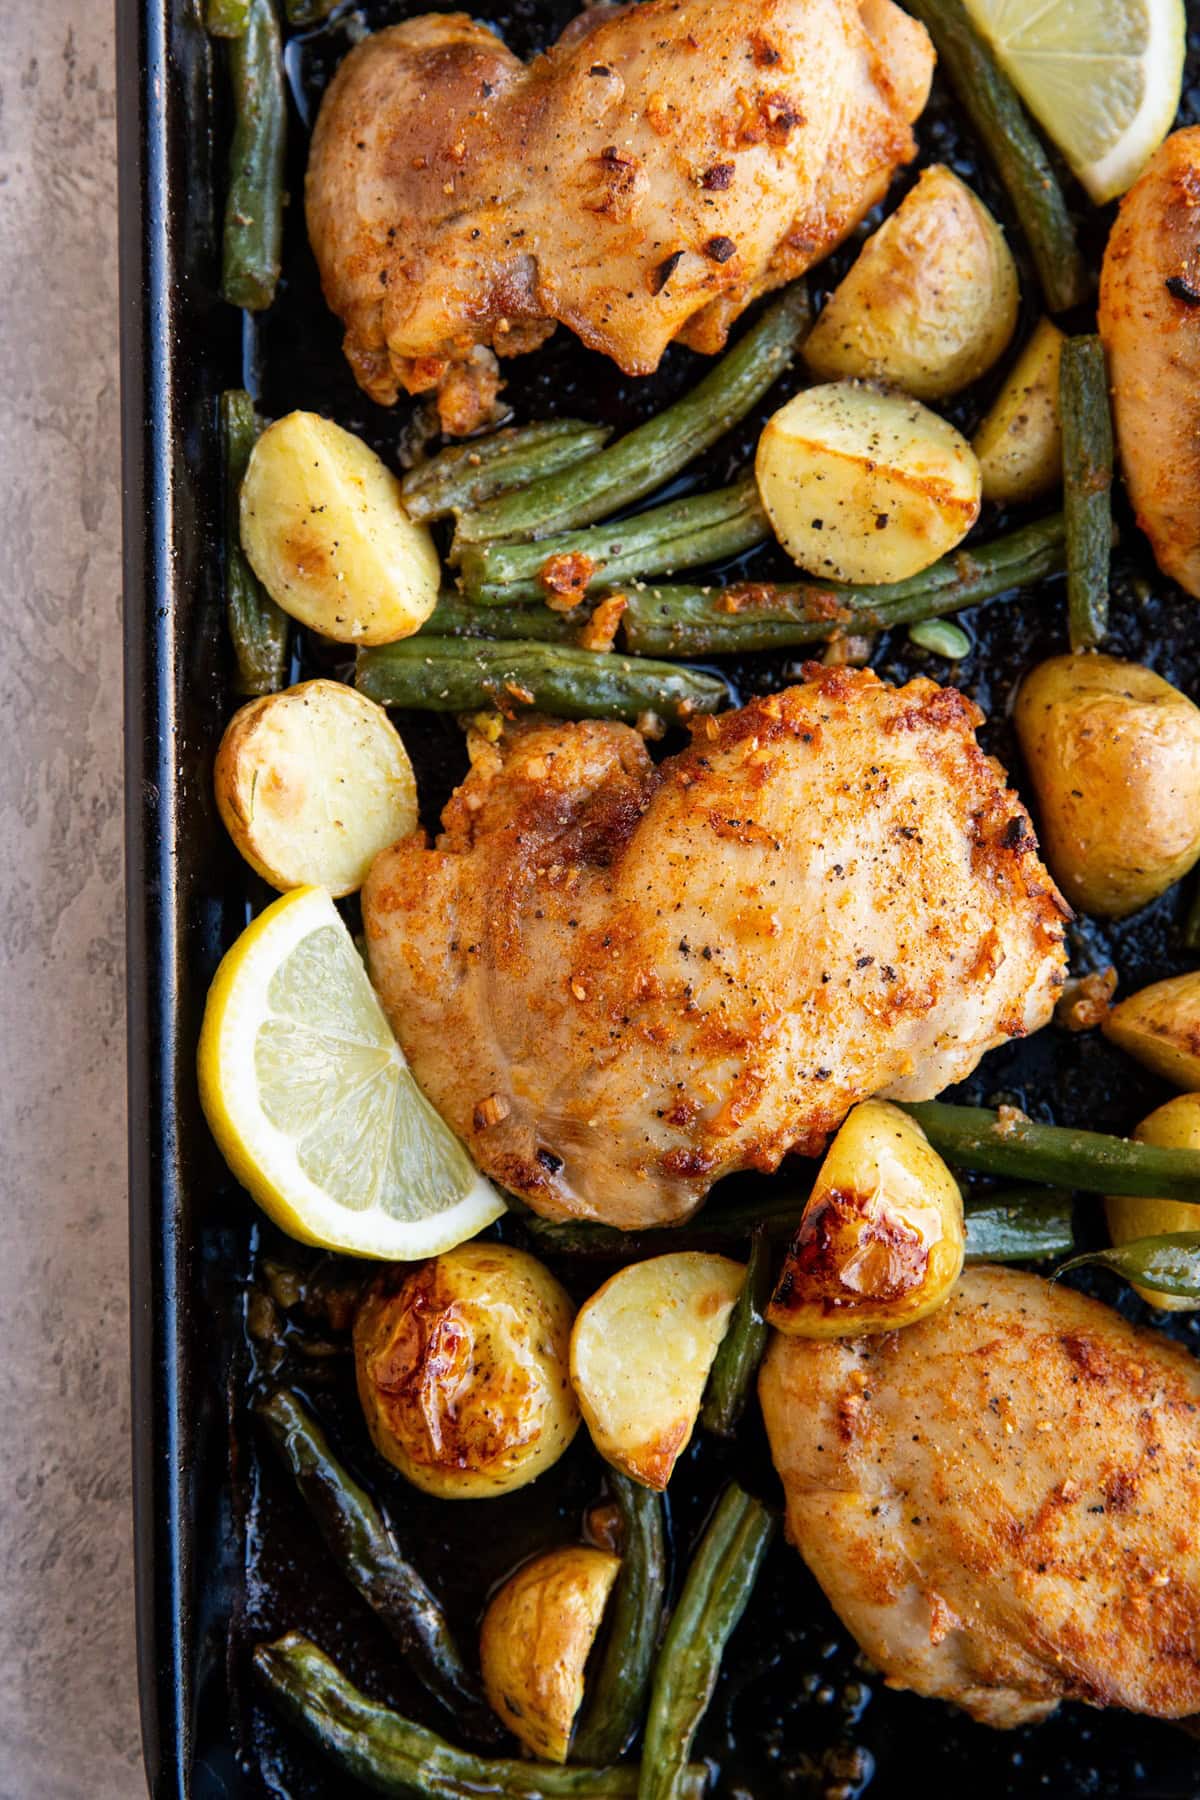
pixel 740 1351
pixel 465 475
pixel 258 628
pixel 253 237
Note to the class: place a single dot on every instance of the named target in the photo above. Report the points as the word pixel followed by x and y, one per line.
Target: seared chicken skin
pixel 1002 1503
pixel 619 982
pixel 659 167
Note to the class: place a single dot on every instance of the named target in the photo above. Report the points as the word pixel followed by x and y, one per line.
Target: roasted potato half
pixel 864 485
pixel 1113 752
pixel 324 528
pixel 1175 1126
pixel 931 302
pixel 1019 444
pixel 537 1633
pixel 462 1367
pixel 1160 1026
pixel 312 784
pixel 640 1355
pixel 881 1241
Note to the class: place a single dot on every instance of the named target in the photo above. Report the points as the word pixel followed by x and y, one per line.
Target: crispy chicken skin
pixel 642 181
pixel 1150 324
pixel 619 982
pixel 1002 1502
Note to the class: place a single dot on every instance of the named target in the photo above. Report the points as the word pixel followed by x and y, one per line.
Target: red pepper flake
pixel 716 179
pixel 720 249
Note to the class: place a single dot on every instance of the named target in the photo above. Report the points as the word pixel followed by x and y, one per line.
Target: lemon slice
pixel 1102 77
pixel 313 1105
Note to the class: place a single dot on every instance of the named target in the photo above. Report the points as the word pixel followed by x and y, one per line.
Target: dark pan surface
pixel 226 1557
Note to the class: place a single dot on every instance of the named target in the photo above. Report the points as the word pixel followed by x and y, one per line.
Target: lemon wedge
pixel 1102 77
pixel 313 1105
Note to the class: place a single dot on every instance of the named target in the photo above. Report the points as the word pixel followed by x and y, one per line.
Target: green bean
pixel 367 1554
pixel 718 1586
pixel 714 621
pixel 704 528
pixel 733 1223
pixel 648 456
pixel 615 1699
pixel 740 1350
pixel 395 1756
pixel 1169 1264
pixel 993 1144
pixel 308 12
pixel 460 675
pixel 991 103
pixel 226 18
pixel 468 474
pixel 258 627
pixel 1087 487
pixel 253 240
pixel 1023 1225
pixel 455 617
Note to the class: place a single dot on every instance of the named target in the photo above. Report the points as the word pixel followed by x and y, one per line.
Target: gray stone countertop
pixel 68 1688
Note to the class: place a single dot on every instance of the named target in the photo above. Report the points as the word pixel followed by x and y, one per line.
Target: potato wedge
pixel 537 1633
pixel 1160 1027
pixel 931 302
pixel 864 485
pixel 462 1370
pixel 1113 752
pixel 640 1355
pixel 1175 1126
pixel 312 784
pixel 1019 443
pixel 324 528
pixel 881 1241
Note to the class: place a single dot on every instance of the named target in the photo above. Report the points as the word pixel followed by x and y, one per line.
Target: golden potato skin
pixel 1160 1026
pixel 1151 334
pixel 537 1633
pixel 1175 1126
pixel 312 783
pixel 462 1370
pixel 881 1241
pixel 1019 443
pixel 1113 752
pixel 931 302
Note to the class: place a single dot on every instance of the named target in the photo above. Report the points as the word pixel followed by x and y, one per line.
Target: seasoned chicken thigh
pixel 1002 1503
pixel 619 982
pixel 660 166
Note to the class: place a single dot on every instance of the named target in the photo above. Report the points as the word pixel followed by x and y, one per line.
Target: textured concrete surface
pixel 68 1697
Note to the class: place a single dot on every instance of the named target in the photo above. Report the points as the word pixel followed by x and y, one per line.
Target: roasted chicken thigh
pixel 1002 1502
pixel 619 982
pixel 642 181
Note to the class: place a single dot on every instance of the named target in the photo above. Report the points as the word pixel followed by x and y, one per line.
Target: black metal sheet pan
pixel 222 1556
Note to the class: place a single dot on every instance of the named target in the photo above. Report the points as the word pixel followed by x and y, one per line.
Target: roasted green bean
pixel 996 1144
pixel 1019 1225
pixel 462 674
pixel 367 1554
pixel 684 534
pixel 1087 487
pixel 258 628
pixel 455 617
pixel 1169 1264
pixel 465 475
pixel 718 1586
pixel 226 18
pixel 395 1756
pixel 994 108
pixel 648 456
pixel 740 1350
pixel 714 621
pixel 615 1699
pixel 253 239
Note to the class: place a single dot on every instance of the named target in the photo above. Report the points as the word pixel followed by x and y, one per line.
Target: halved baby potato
pixel 1019 443
pixel 324 527
pixel 1160 1026
pixel 881 1241
pixel 537 1634
pixel 640 1355
pixel 863 485
pixel 312 784
pixel 1175 1126
pixel 931 302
